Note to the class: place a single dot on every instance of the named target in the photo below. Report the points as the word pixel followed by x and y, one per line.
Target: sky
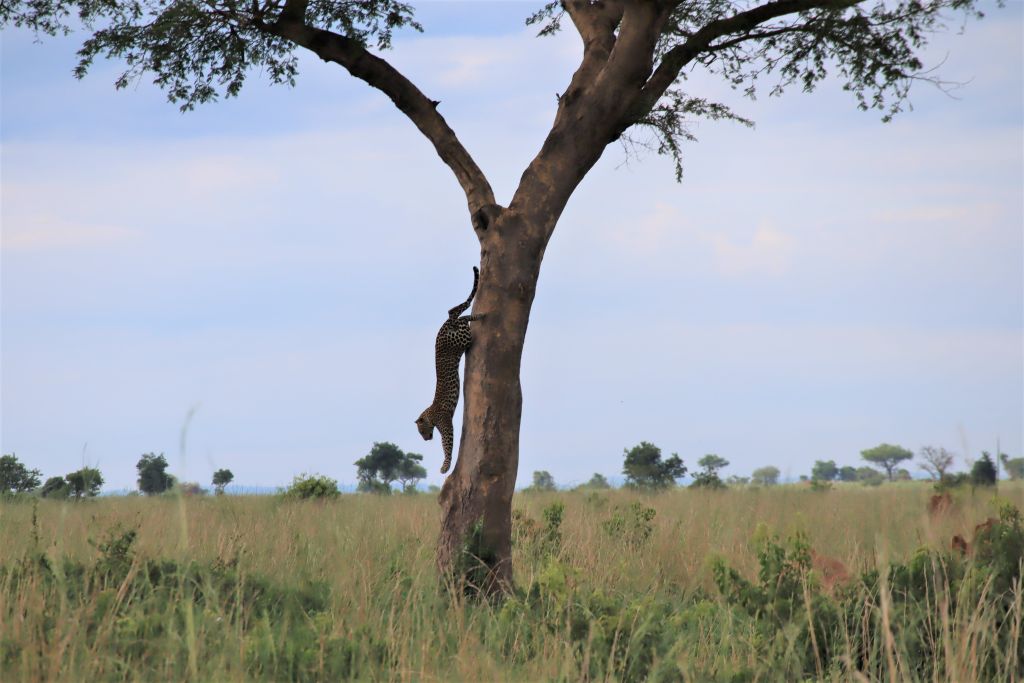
pixel 257 284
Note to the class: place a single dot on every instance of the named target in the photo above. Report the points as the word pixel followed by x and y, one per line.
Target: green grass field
pixel 715 586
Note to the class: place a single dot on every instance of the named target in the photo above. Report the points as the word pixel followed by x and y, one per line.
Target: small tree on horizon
pixel 765 476
pixel 55 487
pixel 1014 467
pixel 847 473
pixel 543 481
pixel 84 483
pixel 387 463
pixel 644 467
pixel 411 471
pixel 983 472
pixel 887 456
pixel 869 476
pixel 15 477
pixel 824 470
pixel 935 461
pixel 153 476
pixel 598 481
pixel 221 478
pixel 708 478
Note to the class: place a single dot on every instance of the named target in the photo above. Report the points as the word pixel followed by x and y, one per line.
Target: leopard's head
pixel 425 425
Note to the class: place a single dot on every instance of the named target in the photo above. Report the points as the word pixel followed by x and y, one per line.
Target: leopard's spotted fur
pixel 453 339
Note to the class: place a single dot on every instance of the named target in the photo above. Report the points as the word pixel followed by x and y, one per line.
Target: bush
pixel 306 486
pixel 787 597
pixel 633 525
pixel 190 488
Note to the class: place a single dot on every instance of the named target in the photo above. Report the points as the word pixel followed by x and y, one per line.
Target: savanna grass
pixel 685 585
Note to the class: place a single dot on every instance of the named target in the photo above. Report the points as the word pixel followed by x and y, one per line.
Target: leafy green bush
pixel 306 486
pixel 539 541
pixel 910 603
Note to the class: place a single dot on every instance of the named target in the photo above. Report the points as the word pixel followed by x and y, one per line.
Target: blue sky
pixel 281 261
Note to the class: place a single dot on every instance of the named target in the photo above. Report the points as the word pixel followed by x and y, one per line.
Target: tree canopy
pixel 411 471
pixel 387 463
pixel 84 483
pixel 598 481
pixel 221 478
pixel 15 477
pixel 935 461
pixel 766 476
pixel 201 51
pixel 644 467
pixel 543 481
pixel 824 470
pixel 983 471
pixel 708 477
pixel 887 456
pixel 153 476
pixel 55 487
pixel 1014 467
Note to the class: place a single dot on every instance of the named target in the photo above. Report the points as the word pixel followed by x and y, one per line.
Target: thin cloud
pixel 47 232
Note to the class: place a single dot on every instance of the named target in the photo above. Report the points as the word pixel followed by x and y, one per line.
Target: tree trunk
pixel 476 500
pixel 476 529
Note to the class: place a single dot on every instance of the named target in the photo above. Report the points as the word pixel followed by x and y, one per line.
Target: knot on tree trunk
pixel 485 216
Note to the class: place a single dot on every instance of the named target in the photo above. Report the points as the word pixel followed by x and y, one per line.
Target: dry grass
pixel 373 556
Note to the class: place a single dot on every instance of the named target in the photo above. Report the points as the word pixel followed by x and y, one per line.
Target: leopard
pixel 453 340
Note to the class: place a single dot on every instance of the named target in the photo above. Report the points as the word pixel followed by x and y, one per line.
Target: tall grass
pixel 240 588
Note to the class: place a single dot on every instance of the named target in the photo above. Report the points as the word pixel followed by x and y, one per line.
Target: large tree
pixel 631 76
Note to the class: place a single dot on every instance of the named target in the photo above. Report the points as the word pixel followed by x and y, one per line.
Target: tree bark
pixel 475 543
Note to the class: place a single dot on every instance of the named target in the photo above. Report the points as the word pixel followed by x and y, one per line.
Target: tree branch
pixel 595 23
pixel 422 111
pixel 743 22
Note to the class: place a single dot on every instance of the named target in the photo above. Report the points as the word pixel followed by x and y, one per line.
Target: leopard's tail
pixel 461 308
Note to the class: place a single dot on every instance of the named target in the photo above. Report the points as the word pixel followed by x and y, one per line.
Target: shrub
pixel 539 541
pixel 631 525
pixel 190 488
pixel 306 486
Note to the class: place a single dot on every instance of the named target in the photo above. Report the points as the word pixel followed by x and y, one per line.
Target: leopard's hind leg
pixel 447 440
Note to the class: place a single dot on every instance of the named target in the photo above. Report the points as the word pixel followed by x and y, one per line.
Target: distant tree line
pixel 644 468
pixel 153 479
